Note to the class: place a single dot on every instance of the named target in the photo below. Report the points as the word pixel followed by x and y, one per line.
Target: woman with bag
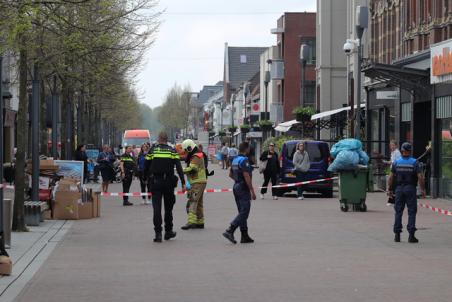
pixel 141 175
pixel 302 164
pixel 271 170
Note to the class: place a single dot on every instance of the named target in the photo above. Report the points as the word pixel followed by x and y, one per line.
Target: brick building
pixel 294 29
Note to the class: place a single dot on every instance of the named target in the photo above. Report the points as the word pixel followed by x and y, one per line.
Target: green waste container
pixel 352 189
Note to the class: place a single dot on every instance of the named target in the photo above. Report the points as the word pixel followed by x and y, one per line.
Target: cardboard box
pixel 69 185
pixel 85 210
pixel 6 265
pixel 66 205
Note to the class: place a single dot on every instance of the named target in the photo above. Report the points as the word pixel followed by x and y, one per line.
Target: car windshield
pixel 315 154
pixel 135 141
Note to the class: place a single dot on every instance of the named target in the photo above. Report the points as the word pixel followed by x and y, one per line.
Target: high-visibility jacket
pixel 128 162
pixel 196 170
pixel 161 161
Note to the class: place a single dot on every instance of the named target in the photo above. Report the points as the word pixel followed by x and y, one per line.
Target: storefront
pixel 441 78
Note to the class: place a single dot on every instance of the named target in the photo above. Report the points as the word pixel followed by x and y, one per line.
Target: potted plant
pixel 303 114
pixel 245 128
pixel 221 133
pixel 265 125
pixel 232 129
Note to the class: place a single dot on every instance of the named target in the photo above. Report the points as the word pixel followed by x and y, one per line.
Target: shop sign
pixel 388 95
pixel 441 63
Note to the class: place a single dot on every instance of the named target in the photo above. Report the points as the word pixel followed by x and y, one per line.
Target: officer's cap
pixel 406 147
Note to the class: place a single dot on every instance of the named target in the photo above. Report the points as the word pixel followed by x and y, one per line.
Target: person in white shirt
pixel 395 155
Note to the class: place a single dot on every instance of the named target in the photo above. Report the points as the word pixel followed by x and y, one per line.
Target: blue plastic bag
pixel 363 158
pixel 345 160
pixel 349 144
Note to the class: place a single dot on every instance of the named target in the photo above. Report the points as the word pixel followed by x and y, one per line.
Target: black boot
pixel 412 239
pixel 200 226
pixel 188 226
pixel 127 203
pixel 158 237
pixel 246 238
pixel 229 234
pixel 169 235
pixel 397 237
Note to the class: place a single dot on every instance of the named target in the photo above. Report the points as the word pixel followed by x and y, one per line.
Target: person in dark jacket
pixel 105 161
pixel 80 155
pixel 271 171
pixel 161 161
pixel 141 160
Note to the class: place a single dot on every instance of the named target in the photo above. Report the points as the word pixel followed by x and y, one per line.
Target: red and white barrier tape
pixel 296 184
pixel 437 210
pixel 139 194
pixel 6 186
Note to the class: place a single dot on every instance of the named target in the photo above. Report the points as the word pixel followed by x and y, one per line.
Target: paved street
pixel 305 251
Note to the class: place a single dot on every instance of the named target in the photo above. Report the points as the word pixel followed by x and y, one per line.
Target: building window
pixel 310 95
pixel 446 158
pixel 406 112
pixel 243 59
pixel 312 46
pixel 444 107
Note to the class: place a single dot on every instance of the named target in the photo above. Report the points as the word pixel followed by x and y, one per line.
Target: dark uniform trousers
pixel 126 183
pixel 242 197
pixel 405 195
pixel 163 188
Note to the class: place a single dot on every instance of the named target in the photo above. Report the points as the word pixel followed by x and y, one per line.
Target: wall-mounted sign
pixel 388 95
pixel 441 62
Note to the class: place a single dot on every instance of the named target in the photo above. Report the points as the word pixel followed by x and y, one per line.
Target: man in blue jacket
pixel 405 174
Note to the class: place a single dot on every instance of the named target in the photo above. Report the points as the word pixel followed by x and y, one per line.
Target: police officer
pixel 241 172
pixel 128 167
pixel 159 166
pixel 404 176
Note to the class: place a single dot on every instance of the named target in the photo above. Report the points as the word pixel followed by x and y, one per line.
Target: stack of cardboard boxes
pixel 74 202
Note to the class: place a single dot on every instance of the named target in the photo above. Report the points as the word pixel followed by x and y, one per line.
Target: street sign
pixel 388 95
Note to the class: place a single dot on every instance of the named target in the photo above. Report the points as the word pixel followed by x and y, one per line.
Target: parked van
pixel 319 155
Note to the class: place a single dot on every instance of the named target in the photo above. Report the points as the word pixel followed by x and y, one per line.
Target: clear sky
pixel 189 47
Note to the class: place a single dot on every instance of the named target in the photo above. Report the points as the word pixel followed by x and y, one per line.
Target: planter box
pixel 266 127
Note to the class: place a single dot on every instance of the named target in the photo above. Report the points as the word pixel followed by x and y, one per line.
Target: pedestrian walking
pixel 106 167
pixel 395 155
pixel 159 167
pixel 224 156
pixel 196 176
pixel 241 173
pixel 271 170
pixel 232 153
pixel 128 167
pixel 302 164
pixel 405 174
pixel 141 159
pixel 80 155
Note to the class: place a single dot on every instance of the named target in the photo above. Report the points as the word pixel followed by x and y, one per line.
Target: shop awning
pixel 284 127
pixel 333 112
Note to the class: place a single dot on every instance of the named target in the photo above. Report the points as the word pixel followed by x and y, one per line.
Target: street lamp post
pixel 362 14
pixel 304 55
pixel 266 82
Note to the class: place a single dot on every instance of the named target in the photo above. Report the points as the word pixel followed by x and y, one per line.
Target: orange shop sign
pixel 441 63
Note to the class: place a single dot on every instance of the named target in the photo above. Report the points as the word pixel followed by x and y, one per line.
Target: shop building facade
pixel 409 94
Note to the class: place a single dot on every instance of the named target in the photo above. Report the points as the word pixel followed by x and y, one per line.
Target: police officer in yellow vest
pixel 196 174
pixel 159 167
pixel 128 167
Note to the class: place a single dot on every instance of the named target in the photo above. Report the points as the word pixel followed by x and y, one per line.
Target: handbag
pixel 262 166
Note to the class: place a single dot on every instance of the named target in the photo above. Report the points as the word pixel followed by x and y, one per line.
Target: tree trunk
pixel 63 128
pixel 22 135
